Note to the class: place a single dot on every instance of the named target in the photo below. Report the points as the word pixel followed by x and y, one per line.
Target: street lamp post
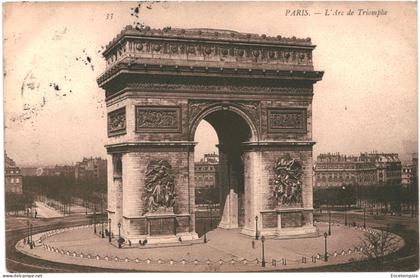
pixel 364 217
pixel 31 237
pixel 326 253
pixel 345 207
pixel 102 218
pixel 94 219
pixel 109 229
pixel 263 257
pixel 27 222
pixel 329 222
pixel 256 227
pixel 345 216
pixel 205 230
pixel 119 235
pixel 211 215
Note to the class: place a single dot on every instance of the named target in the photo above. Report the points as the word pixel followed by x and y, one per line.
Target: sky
pixel 54 112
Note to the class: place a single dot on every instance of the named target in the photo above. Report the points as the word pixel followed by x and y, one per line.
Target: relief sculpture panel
pixel 158 119
pixel 117 122
pixel 287 187
pixel 287 120
pixel 159 189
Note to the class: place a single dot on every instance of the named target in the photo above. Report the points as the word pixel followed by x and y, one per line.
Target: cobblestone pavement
pixel 226 250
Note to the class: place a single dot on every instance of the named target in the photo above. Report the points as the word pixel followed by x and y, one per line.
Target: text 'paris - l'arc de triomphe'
pixel 255 90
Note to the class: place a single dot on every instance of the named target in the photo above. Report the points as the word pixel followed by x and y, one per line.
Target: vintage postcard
pixel 210 137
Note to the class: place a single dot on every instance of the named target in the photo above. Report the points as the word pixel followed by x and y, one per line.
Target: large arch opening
pixel 231 130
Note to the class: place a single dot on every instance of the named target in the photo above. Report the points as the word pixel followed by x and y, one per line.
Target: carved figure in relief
pixel 150 119
pixel 117 121
pixel 288 181
pixel 159 186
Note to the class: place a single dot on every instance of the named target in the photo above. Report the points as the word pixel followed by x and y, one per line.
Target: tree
pixel 376 245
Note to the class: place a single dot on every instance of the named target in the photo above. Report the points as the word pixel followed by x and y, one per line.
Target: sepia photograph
pixel 210 136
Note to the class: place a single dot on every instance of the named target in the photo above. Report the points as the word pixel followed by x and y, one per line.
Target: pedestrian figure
pixel 36 213
pixel 253 244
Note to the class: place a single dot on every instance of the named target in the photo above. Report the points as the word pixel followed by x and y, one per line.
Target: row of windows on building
pixel 14 180
pixel 204 168
pixel 205 178
pixel 344 176
pixel 12 171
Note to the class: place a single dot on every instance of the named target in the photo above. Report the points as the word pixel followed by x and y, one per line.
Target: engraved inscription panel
pixel 291 219
pixel 158 119
pixel 269 220
pixel 117 122
pixel 287 120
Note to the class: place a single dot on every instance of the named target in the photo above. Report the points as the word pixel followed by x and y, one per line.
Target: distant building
pixel 207 171
pixel 409 147
pixel 409 172
pixel 91 169
pixel 333 170
pixel 58 170
pixel 388 167
pixel 407 175
pixel 13 176
pixel 62 170
pixel 29 171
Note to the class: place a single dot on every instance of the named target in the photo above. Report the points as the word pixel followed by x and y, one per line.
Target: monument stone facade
pixel 255 90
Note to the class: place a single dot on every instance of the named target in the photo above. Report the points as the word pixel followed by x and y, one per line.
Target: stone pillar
pixel 119 203
pixel 110 188
pixel 133 175
pixel 117 181
pixel 252 202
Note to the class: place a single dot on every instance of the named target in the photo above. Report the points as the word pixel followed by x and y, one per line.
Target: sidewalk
pixel 45 211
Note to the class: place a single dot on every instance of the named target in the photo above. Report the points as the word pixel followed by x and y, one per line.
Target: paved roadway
pixel 404 260
pixel 19 262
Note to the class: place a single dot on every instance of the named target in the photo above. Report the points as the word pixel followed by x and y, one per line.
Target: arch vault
pixel 256 91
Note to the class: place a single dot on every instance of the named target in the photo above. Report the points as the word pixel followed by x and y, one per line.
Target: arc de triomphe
pixel 255 90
